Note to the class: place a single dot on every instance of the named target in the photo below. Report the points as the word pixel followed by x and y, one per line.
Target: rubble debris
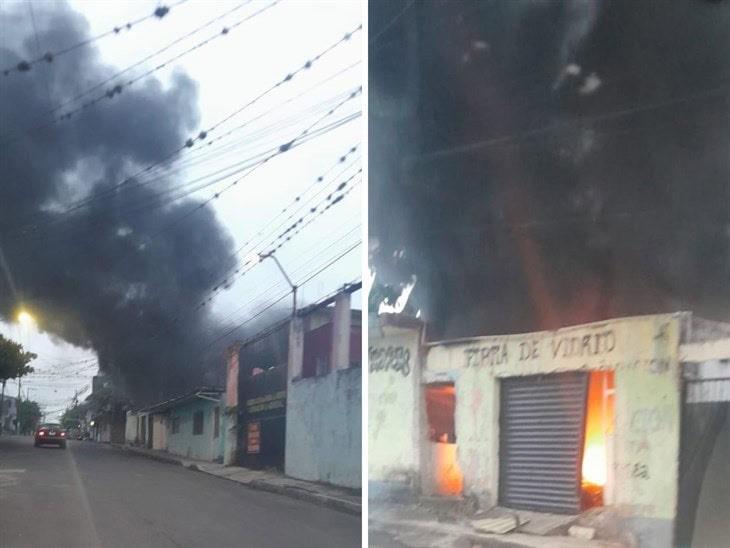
pixel 585 533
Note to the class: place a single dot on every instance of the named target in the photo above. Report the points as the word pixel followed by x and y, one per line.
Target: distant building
pixel 293 401
pixel 191 426
pixel 294 395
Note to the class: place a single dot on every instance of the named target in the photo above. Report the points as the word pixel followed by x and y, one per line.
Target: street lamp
pixel 25 318
pixel 271 255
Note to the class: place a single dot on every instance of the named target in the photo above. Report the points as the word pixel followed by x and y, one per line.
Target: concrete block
pixel 585 533
pixel 495 525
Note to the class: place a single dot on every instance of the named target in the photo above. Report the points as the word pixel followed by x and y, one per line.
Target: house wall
pixel 131 429
pixel 324 412
pixel 159 431
pixel 204 446
pixel 323 428
pixel 643 353
pixel 394 410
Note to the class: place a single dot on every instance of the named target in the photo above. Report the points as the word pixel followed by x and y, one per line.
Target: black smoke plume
pixel 117 277
pixel 601 186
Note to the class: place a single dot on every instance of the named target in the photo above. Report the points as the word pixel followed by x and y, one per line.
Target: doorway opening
pixel 446 477
pixel 597 448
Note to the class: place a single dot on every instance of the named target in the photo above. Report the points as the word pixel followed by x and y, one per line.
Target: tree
pixel 14 360
pixel 13 364
pixel 74 415
pixel 29 415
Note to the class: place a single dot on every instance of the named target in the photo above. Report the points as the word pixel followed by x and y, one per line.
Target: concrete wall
pixel 131 429
pixel 324 413
pixel 642 351
pixel 394 409
pixel 323 428
pixel 204 446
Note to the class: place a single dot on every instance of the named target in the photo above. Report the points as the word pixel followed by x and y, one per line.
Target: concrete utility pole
pixel 17 411
pixel 2 407
pixel 271 255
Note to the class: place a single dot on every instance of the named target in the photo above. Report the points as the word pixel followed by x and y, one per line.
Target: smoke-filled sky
pixel 537 164
pixel 121 278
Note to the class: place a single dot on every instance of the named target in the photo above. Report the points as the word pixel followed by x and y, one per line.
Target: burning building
pixel 607 414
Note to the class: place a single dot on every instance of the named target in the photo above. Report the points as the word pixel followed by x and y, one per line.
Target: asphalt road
pixel 93 495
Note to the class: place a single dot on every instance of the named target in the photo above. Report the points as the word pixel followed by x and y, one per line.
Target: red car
pixel 52 434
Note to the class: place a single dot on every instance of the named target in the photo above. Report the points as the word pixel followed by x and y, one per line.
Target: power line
pixel 393 21
pixel 285 236
pixel 148 57
pixel 281 298
pixel 317 272
pixel 619 113
pixel 333 198
pixel 117 89
pixel 25 65
pixel 281 150
pixel 204 133
pixel 349 287
pixel 320 209
pixel 297 269
pixel 158 201
pixel 297 199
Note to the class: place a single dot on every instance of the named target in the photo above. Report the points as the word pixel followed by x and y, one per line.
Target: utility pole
pixel 17 411
pixel 271 255
pixel 2 407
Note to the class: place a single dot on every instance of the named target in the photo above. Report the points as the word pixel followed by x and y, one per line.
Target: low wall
pixel 323 428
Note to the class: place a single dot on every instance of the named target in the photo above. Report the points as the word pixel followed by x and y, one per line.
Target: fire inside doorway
pixel 445 476
pixel 554 448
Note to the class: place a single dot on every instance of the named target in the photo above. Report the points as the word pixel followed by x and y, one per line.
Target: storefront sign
pixel 253 438
pixel 269 402
pixel 601 343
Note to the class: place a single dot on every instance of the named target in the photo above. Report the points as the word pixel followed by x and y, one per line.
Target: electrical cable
pixel 26 65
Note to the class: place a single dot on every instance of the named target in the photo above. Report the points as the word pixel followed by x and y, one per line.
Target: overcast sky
pixel 230 71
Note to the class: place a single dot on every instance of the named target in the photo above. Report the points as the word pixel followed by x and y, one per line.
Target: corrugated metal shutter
pixel 542 426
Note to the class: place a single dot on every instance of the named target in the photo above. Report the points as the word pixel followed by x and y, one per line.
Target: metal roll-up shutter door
pixel 542 425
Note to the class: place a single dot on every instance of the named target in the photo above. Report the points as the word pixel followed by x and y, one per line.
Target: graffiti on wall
pixel 390 358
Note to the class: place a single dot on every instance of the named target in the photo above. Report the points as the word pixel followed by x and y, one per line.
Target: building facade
pixel 295 393
pixel 324 404
pixel 191 426
pixel 557 422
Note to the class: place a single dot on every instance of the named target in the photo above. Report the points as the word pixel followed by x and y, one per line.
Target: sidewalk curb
pixel 317 498
pixel 334 503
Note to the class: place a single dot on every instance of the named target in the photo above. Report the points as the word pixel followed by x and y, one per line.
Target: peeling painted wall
pixel 394 408
pixel 323 428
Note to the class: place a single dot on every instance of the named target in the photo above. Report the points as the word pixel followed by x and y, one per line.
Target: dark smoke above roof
pixel 112 286
pixel 512 219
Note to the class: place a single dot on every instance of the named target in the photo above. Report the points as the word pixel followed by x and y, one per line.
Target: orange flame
pixel 599 423
pixel 449 480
